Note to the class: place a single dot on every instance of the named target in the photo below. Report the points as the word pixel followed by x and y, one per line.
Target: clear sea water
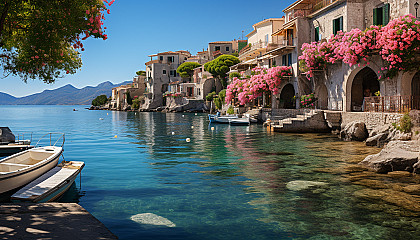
pixel 226 183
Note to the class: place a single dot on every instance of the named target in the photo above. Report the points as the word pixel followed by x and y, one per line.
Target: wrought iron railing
pixel 397 104
pixel 319 4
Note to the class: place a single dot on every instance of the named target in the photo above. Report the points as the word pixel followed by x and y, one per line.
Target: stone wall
pixel 280 114
pixel 371 119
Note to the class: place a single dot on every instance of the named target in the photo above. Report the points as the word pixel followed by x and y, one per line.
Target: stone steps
pixel 313 121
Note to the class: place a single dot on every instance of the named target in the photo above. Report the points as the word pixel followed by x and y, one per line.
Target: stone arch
pixel 360 79
pixel 321 93
pixel 287 97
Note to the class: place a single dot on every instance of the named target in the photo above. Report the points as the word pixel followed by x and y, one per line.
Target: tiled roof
pixel 221 42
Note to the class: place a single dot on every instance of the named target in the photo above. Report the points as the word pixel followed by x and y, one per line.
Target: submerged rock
pixel 299 185
pixel 396 156
pixel 152 219
pixel 354 131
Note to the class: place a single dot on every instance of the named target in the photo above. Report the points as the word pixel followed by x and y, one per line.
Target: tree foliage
pixel 186 69
pixel 43 39
pixel 141 73
pixel 219 67
pixel 100 100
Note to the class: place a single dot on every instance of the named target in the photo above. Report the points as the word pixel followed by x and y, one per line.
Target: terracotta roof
pixel 203 52
pixel 170 53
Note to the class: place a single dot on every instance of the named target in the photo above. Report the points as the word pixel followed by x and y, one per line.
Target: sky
pixel 137 29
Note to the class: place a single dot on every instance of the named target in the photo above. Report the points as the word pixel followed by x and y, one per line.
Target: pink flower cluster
pixel 261 81
pixel 396 43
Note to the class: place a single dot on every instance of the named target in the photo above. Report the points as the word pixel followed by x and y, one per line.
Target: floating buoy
pixel 115 136
pixel 192 127
pixel 212 128
pixel 173 133
pixel 195 114
pixel 188 140
pixel 106 113
pixel 101 119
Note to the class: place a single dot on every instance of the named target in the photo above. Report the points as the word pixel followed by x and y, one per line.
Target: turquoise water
pixel 226 183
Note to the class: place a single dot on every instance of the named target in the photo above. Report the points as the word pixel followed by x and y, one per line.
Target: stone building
pixel 161 75
pixel 341 87
pixel 119 94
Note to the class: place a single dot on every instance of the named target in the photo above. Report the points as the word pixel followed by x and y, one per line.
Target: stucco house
pixel 119 94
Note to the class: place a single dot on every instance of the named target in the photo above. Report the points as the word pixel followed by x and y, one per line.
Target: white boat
pixel 221 119
pixel 9 145
pixel 51 185
pixel 21 168
pixel 240 121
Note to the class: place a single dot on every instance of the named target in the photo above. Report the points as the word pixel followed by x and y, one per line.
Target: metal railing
pixel 62 136
pixel 320 4
pixel 396 104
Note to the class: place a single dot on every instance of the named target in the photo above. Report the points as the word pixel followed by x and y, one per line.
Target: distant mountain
pixel 66 95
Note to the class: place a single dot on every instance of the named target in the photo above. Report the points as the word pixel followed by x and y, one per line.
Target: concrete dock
pixel 50 221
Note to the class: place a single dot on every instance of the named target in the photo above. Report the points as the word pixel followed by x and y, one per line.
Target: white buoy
pixel 212 128
pixel 183 116
pixel 192 127
pixel 173 133
pixel 101 119
pixel 195 114
pixel 188 140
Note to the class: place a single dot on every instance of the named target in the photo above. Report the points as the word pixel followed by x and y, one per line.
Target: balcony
pixel 320 4
pixel 152 62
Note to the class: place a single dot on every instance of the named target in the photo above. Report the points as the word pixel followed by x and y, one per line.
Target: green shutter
pixel 284 59
pixel 289 56
pixel 375 16
pixel 334 27
pixel 385 14
pixel 316 34
pixel 341 24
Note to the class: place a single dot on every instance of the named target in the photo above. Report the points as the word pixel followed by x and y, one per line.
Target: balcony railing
pixel 269 46
pixel 319 4
pixel 397 104
pixel 153 61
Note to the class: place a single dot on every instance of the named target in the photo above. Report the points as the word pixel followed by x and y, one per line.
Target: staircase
pixel 310 121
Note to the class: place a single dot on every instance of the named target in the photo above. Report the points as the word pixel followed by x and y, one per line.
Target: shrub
pixel 210 96
pixel 230 110
pixel 404 125
pixel 307 101
pixel 217 103
pixel 234 74
pixel 100 100
pixel 136 104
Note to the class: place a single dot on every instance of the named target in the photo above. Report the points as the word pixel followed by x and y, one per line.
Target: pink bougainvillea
pixel 261 81
pixel 397 43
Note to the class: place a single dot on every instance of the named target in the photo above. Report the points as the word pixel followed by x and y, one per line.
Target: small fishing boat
pixel 9 145
pixel 51 185
pixel 217 118
pixel 240 121
pixel 21 168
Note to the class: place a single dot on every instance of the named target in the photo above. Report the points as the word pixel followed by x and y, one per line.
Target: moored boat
pixel 217 118
pixel 240 121
pixel 9 145
pixel 51 185
pixel 21 168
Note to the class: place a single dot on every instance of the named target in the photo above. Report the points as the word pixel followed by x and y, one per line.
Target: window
pixel 217 48
pixel 289 59
pixel 317 37
pixel 172 73
pixel 227 49
pixel 171 59
pixel 337 25
pixel 284 60
pixel 164 72
pixel 381 15
pixel 266 38
pixel 161 58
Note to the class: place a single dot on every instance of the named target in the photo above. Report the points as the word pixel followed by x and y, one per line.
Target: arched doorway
pixel 287 95
pixel 365 84
pixel 321 94
pixel 415 91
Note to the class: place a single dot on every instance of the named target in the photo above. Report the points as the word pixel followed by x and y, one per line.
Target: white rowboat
pixel 21 168
pixel 51 185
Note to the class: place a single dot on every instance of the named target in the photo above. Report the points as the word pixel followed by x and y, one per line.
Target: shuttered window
pixel 317 34
pixel 337 25
pixel 284 60
pixel 289 59
pixel 381 15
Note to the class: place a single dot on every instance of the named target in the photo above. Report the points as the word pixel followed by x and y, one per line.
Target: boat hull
pixel 51 185
pixel 239 121
pixel 10 149
pixel 20 177
pixel 221 119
